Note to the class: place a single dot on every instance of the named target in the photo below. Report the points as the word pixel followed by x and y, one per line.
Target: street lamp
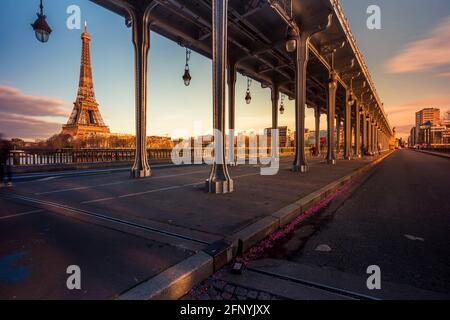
pixel 40 26
pixel 282 104
pixel 248 96
pixel 291 40
pixel 187 76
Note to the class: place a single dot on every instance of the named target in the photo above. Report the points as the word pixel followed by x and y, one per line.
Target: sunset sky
pixel 409 60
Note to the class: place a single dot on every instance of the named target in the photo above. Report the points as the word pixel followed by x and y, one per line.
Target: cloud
pixel 428 54
pixel 20 114
pixel 13 101
pixel 15 126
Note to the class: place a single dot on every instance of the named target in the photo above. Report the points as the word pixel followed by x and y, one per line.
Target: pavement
pixel 395 217
pixel 154 224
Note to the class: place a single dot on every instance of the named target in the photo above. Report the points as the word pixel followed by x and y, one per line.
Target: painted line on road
pixel 101 217
pixel 115 183
pixel 170 188
pixel 20 214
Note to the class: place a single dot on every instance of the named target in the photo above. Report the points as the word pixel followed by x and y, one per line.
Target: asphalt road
pixel 398 219
pixel 37 246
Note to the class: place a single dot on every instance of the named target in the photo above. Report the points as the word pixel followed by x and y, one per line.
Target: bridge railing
pixel 437 148
pixel 19 158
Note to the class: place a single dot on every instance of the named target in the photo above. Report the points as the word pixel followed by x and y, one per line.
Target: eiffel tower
pixel 85 119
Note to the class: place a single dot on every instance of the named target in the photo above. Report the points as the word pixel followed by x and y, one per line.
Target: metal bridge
pixel 301 48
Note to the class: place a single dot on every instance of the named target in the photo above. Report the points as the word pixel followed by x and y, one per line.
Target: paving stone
pixel 229 288
pixel 241 298
pixel 204 297
pixel 264 296
pixel 252 295
pixel 241 291
pixel 219 284
pixel 227 296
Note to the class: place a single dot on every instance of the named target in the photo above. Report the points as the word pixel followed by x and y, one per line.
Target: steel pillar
pixel 300 164
pixel 348 126
pixel 364 134
pixel 219 180
pixel 369 137
pixel 275 96
pixel 317 132
pixel 332 87
pixel 357 131
pixel 231 77
pixel 338 136
pixel 374 131
pixel 141 41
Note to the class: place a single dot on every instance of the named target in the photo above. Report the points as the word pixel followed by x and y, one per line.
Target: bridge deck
pixel 172 205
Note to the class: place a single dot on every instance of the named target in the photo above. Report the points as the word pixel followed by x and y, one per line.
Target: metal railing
pixel 18 158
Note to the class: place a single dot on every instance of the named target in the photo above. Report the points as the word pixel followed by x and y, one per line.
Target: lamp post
pixel 187 75
pixel 248 95
pixel 41 27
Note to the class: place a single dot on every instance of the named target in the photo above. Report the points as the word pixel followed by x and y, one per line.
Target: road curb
pixel 440 155
pixel 176 281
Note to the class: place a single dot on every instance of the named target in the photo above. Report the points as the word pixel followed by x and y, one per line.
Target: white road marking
pixel 159 190
pixel 49 178
pixel 20 214
pixel 413 238
pixel 323 248
pixel 115 183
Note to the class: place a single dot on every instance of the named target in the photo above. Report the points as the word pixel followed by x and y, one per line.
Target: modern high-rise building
pixel 85 119
pixel 427 115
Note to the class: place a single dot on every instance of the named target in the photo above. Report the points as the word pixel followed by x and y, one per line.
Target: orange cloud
pixel 13 101
pixel 19 114
pixel 428 54
pixel 15 126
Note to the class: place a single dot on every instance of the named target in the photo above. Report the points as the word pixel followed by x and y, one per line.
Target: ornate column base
pixel 300 168
pixel 331 161
pixel 141 173
pixel 220 187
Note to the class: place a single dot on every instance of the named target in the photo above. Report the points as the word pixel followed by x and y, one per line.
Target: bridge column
pixel 348 126
pixel 372 146
pixel 338 136
pixel 364 133
pixel 317 132
pixel 357 131
pixel 232 75
pixel 302 56
pixel 275 96
pixel 332 87
pixel 374 137
pixel 141 40
pixel 219 180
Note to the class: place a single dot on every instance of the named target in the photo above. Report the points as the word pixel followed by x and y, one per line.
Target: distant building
pixel 282 133
pixel 431 135
pixel 426 116
pixel 412 137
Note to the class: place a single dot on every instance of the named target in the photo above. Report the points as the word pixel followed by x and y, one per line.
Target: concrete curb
pixel 436 154
pixel 176 281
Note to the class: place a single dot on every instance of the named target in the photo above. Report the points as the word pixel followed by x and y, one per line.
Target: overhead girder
pixel 257 37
